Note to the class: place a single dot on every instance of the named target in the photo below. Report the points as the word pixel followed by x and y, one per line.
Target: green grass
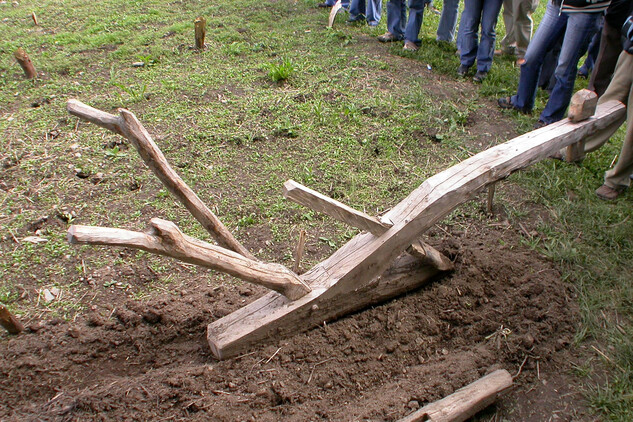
pixel 346 121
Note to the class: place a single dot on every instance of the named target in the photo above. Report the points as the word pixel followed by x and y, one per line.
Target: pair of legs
pixel 448 21
pixel 368 10
pixel 577 30
pixel 517 18
pixel 478 13
pixel 398 24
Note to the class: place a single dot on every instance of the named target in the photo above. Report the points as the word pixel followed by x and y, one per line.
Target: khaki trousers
pixel 621 89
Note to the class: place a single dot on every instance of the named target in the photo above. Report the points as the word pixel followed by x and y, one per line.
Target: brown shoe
pixel 410 46
pixel 608 193
pixel 388 37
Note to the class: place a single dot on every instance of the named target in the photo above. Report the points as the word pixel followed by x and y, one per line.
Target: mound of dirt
pixel 504 306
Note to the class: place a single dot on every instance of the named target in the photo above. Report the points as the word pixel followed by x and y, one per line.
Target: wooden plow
pixel 386 260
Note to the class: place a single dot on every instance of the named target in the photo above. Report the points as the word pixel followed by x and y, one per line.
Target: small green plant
pixel 115 153
pixel 136 93
pixel 281 72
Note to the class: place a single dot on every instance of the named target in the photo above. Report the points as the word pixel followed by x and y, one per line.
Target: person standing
pixel 400 28
pixel 478 13
pixel 517 18
pixel 576 20
pixel 618 178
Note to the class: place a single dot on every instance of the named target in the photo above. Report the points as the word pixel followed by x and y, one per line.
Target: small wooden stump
pixel 201 31
pixel 582 106
pixel 24 61
pixel 10 322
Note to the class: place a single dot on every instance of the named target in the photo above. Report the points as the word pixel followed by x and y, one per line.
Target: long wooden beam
pixel 314 200
pixel 339 279
pixel 166 239
pixel 128 126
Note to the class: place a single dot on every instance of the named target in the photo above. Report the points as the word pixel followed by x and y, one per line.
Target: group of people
pixel 552 54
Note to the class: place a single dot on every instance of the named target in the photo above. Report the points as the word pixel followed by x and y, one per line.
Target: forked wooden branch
pixel 465 402
pixel 128 126
pixel 337 281
pixel 314 200
pixel 166 239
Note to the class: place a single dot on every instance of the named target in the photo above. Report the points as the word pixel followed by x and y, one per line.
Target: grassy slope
pixel 343 123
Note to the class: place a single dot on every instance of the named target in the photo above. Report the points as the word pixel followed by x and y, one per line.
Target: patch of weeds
pixel 279 72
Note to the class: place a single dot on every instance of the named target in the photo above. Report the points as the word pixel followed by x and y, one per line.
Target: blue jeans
pixel 397 16
pixel 578 28
pixel 476 12
pixel 448 21
pixel 371 9
pixel 344 3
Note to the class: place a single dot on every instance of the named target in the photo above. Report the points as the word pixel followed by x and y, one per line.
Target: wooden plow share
pixel 386 260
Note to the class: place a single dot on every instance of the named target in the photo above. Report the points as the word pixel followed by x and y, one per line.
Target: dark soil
pixel 502 307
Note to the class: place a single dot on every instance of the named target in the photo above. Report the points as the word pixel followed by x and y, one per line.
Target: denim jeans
pixel 448 21
pixel 344 3
pixel 397 15
pixel 476 12
pixel 371 9
pixel 578 28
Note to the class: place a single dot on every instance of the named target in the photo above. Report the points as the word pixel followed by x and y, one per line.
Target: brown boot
pixel 608 193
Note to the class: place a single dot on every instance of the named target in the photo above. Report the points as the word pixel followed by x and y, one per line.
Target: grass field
pixel 274 96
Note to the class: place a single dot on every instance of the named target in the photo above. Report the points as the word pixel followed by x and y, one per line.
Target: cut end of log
pixel 582 106
pixel 71 236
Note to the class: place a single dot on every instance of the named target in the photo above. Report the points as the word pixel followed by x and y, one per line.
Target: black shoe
pixel 355 20
pixel 540 124
pixel 462 70
pixel 480 76
pixel 323 5
pixel 506 104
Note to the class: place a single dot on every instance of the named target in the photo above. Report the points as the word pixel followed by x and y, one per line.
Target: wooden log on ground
pixel 25 62
pixel 430 256
pixel 337 281
pixel 200 25
pixel 9 321
pixel 166 239
pixel 314 200
pixel 128 126
pixel 465 402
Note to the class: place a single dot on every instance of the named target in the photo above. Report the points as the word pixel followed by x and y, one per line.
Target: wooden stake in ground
pixel 24 61
pixel 201 30
pixel 465 402
pixel 9 322
pixel 34 17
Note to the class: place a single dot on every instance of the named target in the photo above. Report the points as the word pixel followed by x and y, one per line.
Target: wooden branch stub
pixel 307 197
pixel 582 105
pixel 34 17
pixel 200 31
pixel 491 198
pixel 10 322
pixel 128 126
pixel 165 238
pixel 25 62
pixel 465 402
pixel 299 251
